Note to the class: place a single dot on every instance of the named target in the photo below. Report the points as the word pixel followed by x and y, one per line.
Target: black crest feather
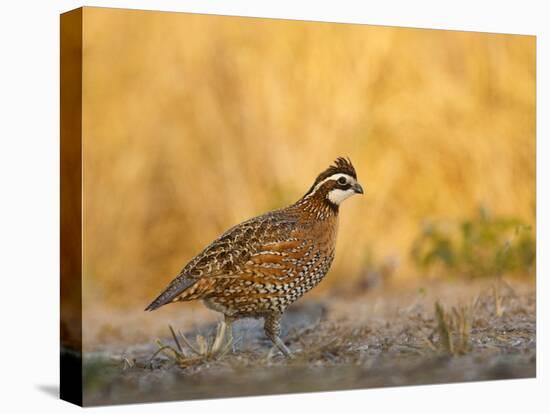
pixel 341 166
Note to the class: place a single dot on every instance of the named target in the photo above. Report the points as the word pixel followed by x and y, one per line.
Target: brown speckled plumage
pixel 259 267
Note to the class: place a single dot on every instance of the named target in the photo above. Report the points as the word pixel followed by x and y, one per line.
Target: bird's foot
pixel 280 345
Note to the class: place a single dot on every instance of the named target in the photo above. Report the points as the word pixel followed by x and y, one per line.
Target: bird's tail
pixel 171 293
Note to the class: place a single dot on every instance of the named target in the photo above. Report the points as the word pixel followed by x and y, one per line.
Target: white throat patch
pixel 338 195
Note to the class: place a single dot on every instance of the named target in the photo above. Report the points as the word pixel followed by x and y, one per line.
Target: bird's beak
pixel 358 189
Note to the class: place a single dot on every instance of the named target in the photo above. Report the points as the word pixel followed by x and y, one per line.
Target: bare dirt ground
pixel 384 337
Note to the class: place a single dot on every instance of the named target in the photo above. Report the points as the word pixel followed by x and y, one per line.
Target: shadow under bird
pixel 259 267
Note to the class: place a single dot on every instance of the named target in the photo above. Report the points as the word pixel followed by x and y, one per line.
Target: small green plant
pixel 476 247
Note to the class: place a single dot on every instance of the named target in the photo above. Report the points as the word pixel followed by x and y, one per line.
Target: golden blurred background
pixel 193 123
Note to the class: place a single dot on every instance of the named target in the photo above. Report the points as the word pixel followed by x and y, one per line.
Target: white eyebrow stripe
pixel 332 177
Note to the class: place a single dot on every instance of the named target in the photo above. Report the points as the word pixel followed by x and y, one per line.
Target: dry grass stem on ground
pixel 454 328
pixel 202 351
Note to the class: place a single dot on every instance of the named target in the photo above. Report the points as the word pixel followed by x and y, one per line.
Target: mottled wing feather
pixel 241 252
pixel 273 262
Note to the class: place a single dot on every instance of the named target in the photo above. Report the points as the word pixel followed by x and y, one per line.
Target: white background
pixel 29 206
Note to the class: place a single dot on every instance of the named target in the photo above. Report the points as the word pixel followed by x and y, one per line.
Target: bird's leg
pixel 272 328
pixel 229 331
pixel 217 345
pixel 224 335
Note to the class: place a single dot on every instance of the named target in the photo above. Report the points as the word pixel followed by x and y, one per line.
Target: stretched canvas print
pixel 256 206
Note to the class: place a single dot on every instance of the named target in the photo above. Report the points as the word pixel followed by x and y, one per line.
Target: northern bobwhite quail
pixel 259 267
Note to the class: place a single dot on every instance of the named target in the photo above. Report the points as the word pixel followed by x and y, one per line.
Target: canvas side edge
pixel 71 206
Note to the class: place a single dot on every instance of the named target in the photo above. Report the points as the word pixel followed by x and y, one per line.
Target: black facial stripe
pixel 346 186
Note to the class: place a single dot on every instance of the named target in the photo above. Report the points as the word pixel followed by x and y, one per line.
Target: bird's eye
pixel 342 180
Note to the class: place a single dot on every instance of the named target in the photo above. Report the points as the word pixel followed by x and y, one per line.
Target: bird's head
pixel 337 183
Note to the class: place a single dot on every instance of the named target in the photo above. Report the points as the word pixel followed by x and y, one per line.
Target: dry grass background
pixel 193 123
